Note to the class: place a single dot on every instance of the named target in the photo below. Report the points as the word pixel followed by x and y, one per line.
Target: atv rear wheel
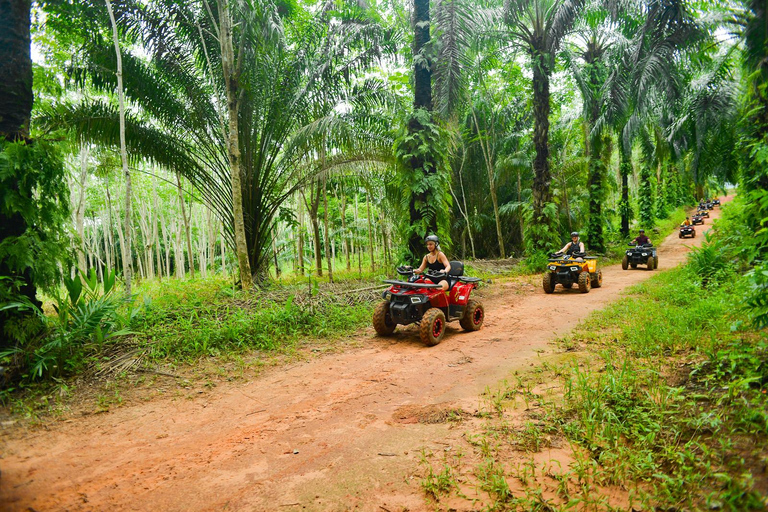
pixel 474 314
pixel 382 319
pixel 597 279
pixel 625 263
pixel 649 263
pixel 432 327
pixel 585 282
pixel 567 286
pixel 548 283
pixel 633 265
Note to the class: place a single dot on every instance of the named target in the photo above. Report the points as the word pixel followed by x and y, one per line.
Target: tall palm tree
pixel 595 35
pixel 538 27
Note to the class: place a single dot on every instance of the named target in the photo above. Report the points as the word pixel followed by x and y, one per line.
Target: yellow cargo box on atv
pixel 572 269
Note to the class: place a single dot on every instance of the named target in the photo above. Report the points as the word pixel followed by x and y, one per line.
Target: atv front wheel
pixel 655 262
pixel 474 314
pixel 382 319
pixel 432 327
pixel 597 279
pixel 649 262
pixel 585 282
pixel 625 263
pixel 679 235
pixel 548 283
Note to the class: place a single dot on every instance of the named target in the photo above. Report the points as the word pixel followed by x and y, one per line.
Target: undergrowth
pixel 661 405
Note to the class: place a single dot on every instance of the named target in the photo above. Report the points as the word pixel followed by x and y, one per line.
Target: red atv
pixel 419 301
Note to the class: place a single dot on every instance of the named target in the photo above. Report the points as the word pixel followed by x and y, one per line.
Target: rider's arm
pixel 565 248
pixel 422 267
pixel 444 261
pixel 581 247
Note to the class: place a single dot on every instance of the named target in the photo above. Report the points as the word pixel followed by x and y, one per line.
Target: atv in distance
pixel 716 202
pixel 703 211
pixel 417 300
pixel 567 270
pixel 697 219
pixel 644 254
pixel 687 232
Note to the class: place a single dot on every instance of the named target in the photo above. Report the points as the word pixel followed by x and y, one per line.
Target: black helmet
pixel 642 231
pixel 432 238
pixel 575 233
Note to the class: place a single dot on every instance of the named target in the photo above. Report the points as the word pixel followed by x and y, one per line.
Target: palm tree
pixel 289 85
pixel 538 27
pixel 594 37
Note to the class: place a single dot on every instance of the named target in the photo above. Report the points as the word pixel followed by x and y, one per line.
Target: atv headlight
pixel 389 296
pixel 552 267
pixel 629 253
pixel 416 299
pixel 574 269
pixel 645 254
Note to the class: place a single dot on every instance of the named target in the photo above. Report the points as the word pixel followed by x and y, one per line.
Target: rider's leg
pixel 444 285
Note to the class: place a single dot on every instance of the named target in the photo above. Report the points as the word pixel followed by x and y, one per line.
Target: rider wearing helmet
pixel 641 239
pixel 575 245
pixel 435 261
pixel 687 222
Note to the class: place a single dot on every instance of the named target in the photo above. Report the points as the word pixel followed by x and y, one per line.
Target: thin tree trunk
pixel 233 141
pixel 486 150
pixel 155 233
pixel 80 210
pixel 127 248
pixel 357 245
pixel 328 251
pixel 186 226
pixel 625 169
pixel 370 230
pixel 345 235
pixel 300 240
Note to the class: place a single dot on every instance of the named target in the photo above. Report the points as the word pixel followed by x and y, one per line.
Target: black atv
pixel 697 219
pixel 687 232
pixel 716 202
pixel 644 254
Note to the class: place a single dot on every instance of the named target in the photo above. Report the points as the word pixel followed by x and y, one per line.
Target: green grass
pixel 663 401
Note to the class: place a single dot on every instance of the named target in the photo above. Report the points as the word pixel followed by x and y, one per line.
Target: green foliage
pixel 423 180
pixel 86 318
pixel 33 192
pixel 541 237
pixel 646 197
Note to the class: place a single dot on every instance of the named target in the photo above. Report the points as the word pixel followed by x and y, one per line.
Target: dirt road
pixel 335 433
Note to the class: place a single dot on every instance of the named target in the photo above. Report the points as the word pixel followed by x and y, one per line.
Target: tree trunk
pixel 625 169
pixel 233 141
pixel 486 150
pixel 15 70
pixel 80 210
pixel 328 251
pixel 345 235
pixel 300 240
pixel 542 178
pixel 128 226
pixel 155 231
pixel 186 226
pixel 370 230
pixel 422 73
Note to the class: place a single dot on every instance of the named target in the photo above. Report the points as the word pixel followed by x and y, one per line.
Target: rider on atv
pixel 641 239
pixel 436 261
pixel 574 246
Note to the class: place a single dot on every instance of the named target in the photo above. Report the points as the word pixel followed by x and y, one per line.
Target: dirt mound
pixel 430 414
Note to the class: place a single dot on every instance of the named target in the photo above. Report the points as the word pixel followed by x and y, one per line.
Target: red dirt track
pixel 331 433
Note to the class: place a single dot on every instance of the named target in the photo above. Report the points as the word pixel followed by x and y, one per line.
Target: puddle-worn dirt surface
pixel 339 432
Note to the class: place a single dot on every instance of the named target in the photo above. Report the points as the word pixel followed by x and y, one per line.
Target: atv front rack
pixel 406 284
pixel 552 260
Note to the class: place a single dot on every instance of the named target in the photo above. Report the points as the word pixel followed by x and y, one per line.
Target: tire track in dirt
pixel 326 434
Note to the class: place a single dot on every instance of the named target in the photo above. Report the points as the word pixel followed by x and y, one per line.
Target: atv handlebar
pixel 405 270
